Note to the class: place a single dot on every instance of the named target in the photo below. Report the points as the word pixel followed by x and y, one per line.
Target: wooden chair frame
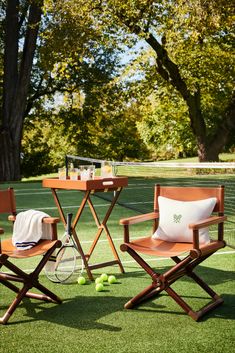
pixel 8 251
pixel 195 253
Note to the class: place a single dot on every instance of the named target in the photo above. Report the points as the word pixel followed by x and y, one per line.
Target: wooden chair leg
pixel 139 297
pixel 13 305
pixel 195 315
pixel 202 284
pixel 163 282
pixel 29 281
pixel 24 292
pixel 48 295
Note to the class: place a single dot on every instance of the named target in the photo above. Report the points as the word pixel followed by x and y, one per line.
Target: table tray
pixel 95 184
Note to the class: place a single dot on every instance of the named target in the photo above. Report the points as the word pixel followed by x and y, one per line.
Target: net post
pixel 67 166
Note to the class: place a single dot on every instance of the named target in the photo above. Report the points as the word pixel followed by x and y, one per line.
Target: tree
pixel 164 129
pixel 193 52
pixel 51 49
pixel 18 61
pixel 94 121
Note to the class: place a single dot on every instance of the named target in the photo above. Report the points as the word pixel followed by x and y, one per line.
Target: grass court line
pixel 76 206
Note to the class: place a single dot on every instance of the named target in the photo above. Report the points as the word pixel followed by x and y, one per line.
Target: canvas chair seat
pixel 186 256
pixel 41 248
pixel 15 273
pixel 157 247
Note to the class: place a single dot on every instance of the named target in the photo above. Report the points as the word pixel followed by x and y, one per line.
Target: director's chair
pixel 9 252
pixel 172 207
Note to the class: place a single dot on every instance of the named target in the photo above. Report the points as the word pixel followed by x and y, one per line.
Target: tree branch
pixel 23 15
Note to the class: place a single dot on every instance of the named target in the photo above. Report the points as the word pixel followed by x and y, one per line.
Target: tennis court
pixel 88 321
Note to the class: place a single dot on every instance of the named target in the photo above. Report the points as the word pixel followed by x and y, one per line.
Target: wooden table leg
pixel 103 226
pixel 100 225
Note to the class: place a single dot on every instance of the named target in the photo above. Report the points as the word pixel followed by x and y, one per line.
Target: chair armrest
pixel 134 220
pixel 50 220
pixel 12 218
pixel 47 220
pixel 139 218
pixel 1 231
pixel 53 221
pixel 207 222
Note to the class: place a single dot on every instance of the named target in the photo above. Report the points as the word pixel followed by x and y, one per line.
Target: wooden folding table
pixel 89 187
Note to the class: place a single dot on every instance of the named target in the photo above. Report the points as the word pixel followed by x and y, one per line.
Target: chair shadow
pixel 80 312
pixel 224 311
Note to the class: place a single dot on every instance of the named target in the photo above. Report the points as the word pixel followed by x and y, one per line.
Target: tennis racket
pixel 66 264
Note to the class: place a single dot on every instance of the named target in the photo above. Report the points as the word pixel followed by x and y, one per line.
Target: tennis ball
pixel 81 280
pixel 99 280
pixel 104 277
pixel 99 287
pixel 112 279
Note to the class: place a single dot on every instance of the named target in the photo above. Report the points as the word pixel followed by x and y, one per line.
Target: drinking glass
pixel 73 173
pixel 106 169
pixel 62 173
pixel 87 172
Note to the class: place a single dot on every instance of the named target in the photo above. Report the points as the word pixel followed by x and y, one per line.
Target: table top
pixel 95 184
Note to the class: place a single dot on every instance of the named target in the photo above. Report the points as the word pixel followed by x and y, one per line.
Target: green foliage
pixel 203 31
pixel 193 52
pixel 76 60
pixel 79 129
pixel 109 110
pixel 44 147
pixel 165 129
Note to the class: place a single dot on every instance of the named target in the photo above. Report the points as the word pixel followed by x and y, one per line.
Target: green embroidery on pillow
pixel 177 218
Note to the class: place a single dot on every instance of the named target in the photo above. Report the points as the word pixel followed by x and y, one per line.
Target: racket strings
pixel 66 264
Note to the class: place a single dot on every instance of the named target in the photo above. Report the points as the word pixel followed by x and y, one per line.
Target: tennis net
pixel 142 178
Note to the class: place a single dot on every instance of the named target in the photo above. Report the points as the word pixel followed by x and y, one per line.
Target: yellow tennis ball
pixel 104 277
pixel 99 280
pixel 112 279
pixel 99 287
pixel 81 280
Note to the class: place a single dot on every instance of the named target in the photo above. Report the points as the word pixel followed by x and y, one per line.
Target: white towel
pixel 28 229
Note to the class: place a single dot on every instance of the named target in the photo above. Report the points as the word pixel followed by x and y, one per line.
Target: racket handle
pixel 69 223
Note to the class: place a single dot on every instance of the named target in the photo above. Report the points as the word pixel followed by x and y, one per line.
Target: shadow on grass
pixel 85 312
pixel 224 311
pixel 80 312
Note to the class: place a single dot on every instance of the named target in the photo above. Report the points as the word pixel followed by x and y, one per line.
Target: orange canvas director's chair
pixel 186 255
pixel 8 252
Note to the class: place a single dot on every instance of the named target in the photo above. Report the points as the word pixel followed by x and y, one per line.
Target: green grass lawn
pixel 88 321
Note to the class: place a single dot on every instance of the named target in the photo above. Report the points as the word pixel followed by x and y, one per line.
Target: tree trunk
pixel 207 154
pixel 9 159
pixel 209 147
pixel 206 151
pixel 16 85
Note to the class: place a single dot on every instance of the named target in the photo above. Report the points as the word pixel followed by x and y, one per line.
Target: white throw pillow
pixel 175 216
